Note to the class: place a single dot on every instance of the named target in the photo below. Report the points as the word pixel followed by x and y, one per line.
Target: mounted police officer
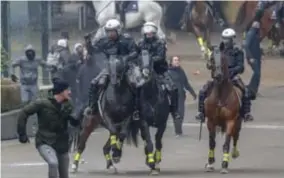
pixel 236 67
pixel 157 50
pixel 114 43
pixel 215 8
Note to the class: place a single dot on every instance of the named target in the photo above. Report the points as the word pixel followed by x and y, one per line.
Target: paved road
pixel 261 149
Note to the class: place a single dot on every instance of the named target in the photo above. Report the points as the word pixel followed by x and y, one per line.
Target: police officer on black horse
pixel 236 67
pixel 114 43
pixel 157 49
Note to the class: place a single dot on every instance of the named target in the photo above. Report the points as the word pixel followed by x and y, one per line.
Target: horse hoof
pixel 154 172
pixel 224 171
pixel 209 167
pixel 82 161
pixel 157 167
pixel 235 154
pixel 112 170
pixel 74 168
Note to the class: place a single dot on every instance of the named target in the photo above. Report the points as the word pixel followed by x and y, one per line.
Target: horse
pixel 155 105
pixel 222 109
pixel 245 18
pixel 138 12
pixel 116 105
pixel 201 21
pixel 276 36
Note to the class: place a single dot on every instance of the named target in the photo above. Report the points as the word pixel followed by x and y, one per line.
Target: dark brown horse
pixel 222 108
pixel 200 20
pixel 247 13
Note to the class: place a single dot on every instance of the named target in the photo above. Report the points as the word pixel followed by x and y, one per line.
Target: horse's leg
pixel 208 41
pixel 198 34
pixel 212 144
pixel 236 134
pixel 158 139
pixel 106 151
pixel 149 148
pixel 230 125
pixel 88 127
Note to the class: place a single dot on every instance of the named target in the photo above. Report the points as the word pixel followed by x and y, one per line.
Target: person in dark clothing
pixel 236 67
pixel 28 65
pixel 157 49
pixel 253 55
pixel 115 43
pixel 52 137
pixel 71 69
pixel 180 79
pixel 86 73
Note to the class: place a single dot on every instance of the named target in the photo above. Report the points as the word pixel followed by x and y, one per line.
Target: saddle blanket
pixel 131 7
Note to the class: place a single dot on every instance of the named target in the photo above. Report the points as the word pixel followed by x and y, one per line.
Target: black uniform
pixel 125 47
pixel 236 67
pixel 157 49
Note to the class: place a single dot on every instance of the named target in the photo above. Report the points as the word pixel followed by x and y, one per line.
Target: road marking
pixel 249 126
pixel 27 164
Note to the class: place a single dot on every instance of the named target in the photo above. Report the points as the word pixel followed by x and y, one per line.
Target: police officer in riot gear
pixel 157 50
pixel 236 67
pixel 114 43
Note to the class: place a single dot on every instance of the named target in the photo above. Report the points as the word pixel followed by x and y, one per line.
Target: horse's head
pixel 116 68
pixel 147 65
pixel 219 64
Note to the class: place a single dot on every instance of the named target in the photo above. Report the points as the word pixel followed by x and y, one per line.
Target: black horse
pixel 117 105
pixel 155 105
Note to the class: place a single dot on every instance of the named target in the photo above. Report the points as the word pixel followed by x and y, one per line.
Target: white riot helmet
pixel 112 25
pixel 149 30
pixel 228 37
pixel 62 42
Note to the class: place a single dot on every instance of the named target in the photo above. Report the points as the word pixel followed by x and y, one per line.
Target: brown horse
pixel 247 13
pixel 222 108
pixel 201 21
pixel 275 36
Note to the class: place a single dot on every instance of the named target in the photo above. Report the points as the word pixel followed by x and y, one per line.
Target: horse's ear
pixel 221 46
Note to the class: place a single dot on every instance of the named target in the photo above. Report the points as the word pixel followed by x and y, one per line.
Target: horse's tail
pixel 132 135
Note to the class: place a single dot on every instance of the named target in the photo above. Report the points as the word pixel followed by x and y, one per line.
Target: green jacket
pixel 52 122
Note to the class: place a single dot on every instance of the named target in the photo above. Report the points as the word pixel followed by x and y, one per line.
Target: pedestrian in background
pixel 28 65
pixel 181 81
pixel 253 55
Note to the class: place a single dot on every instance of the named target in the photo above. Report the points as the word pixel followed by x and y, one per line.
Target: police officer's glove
pixel 23 138
pixel 88 112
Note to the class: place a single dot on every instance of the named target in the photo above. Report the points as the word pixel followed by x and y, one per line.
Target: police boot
pixel 247 107
pixel 174 104
pixel 200 116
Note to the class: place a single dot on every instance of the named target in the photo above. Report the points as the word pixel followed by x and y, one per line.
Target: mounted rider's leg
pixel 246 101
pixel 97 85
pixel 217 12
pixel 173 94
pixel 201 98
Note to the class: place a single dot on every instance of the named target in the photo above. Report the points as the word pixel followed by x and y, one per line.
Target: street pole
pixel 5 34
pixel 45 37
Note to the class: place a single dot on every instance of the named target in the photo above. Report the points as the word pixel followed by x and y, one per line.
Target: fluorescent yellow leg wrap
pixel 200 41
pixel 77 156
pixel 112 139
pixel 226 157
pixel 107 156
pixel 158 155
pixel 150 158
pixel 211 154
pixel 118 144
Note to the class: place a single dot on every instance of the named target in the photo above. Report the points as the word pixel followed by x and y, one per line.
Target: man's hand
pixel 194 97
pixel 251 60
pixel 23 138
